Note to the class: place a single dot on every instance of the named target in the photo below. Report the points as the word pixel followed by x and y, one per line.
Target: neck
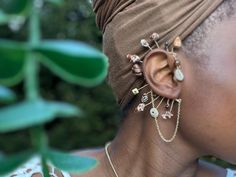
pixel 138 151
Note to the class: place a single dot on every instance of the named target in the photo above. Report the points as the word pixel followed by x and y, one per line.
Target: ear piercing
pixel 149 98
pixel 137 61
pixel 178 74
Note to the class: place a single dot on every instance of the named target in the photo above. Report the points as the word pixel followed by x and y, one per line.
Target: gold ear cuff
pixel 149 98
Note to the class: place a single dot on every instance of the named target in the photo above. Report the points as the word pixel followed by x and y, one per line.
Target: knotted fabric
pixel 125 22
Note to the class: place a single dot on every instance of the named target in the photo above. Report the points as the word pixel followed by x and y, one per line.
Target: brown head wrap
pixel 125 22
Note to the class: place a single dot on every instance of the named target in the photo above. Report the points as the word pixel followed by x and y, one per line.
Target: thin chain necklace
pixel 109 158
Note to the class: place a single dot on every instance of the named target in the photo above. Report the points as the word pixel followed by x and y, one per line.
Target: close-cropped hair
pixel 195 45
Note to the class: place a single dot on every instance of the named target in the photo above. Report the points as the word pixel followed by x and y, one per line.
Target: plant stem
pixel 31 77
pixel 40 143
pixel 38 134
pixel 32 67
pixel 34 25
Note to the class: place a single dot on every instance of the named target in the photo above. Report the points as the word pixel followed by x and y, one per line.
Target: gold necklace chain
pixel 109 158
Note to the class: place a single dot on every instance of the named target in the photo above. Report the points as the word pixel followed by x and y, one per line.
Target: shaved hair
pixel 195 45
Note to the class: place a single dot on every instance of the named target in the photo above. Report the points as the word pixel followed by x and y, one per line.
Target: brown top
pixel 125 22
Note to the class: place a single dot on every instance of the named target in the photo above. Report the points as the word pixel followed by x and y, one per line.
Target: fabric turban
pixel 125 22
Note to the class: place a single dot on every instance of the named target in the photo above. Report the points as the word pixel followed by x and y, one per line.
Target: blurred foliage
pixel 74 20
pixel 73 61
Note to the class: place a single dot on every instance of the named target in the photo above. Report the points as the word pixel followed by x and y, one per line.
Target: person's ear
pixel 158 70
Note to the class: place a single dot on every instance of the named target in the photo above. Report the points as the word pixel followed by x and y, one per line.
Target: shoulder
pixel 207 169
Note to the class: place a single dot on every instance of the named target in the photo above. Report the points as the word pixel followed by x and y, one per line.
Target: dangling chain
pixel 176 127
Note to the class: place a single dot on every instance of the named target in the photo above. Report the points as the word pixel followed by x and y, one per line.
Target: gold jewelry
pixel 178 76
pixel 109 158
pixel 138 61
pixel 176 127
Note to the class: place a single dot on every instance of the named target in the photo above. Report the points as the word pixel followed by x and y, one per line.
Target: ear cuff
pixel 149 98
pixel 138 61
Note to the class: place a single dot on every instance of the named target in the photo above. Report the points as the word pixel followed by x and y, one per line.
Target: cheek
pixel 209 116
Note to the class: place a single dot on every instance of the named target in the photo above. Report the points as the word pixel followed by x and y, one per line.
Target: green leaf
pixel 12 61
pixel 30 113
pixel 71 163
pixel 6 95
pixel 74 61
pixel 3 18
pixel 14 6
pixel 10 163
pixel 56 2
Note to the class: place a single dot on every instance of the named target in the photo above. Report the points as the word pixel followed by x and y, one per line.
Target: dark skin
pixel 208 118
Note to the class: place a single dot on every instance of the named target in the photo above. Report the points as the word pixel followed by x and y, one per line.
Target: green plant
pixel 75 62
pixel 6 95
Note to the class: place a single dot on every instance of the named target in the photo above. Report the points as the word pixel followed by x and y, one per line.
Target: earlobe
pixel 160 72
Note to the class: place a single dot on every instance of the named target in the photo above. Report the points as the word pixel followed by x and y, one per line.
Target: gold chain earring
pixel 155 114
pixel 178 76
